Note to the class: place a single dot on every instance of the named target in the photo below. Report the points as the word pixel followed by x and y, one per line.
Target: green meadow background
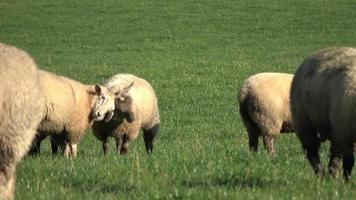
pixel 196 54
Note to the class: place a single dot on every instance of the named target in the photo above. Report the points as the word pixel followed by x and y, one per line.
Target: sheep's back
pixel 267 96
pixel 324 89
pixel 65 101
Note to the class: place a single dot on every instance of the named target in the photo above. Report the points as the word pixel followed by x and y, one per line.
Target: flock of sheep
pixel 36 104
pixel 318 103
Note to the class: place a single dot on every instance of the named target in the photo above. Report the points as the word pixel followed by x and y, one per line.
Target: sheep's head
pixel 105 104
pixel 123 104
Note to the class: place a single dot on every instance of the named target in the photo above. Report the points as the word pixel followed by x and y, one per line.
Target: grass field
pixel 195 54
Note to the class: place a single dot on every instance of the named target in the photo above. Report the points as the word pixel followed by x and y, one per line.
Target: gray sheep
pixel 323 102
pixel 264 107
pixel 20 112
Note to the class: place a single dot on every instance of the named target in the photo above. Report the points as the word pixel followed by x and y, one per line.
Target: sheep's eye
pixel 102 98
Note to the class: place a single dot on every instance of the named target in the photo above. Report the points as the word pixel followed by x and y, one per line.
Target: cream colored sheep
pixel 264 107
pixel 20 112
pixel 323 99
pixel 136 108
pixel 70 108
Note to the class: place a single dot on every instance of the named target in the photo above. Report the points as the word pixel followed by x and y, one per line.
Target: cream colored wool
pixel 144 108
pixel 20 112
pixel 264 107
pixel 68 111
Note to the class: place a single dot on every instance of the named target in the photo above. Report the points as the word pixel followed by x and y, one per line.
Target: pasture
pixel 196 55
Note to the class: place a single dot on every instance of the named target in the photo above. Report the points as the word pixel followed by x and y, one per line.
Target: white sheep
pixel 70 108
pixel 264 107
pixel 136 108
pixel 20 112
pixel 323 102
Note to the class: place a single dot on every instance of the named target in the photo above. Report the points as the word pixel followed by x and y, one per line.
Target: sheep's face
pixel 123 103
pixel 105 105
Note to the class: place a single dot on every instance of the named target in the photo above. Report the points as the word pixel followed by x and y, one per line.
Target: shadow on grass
pixel 101 187
pixel 232 182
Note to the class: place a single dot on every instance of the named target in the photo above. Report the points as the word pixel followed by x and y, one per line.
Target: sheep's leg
pixel 125 145
pixel 348 162
pixel 35 148
pixel 106 146
pixel 253 140
pixel 36 144
pixel 251 128
pixel 341 149
pixel 253 131
pixel 73 149
pixel 149 136
pixel 268 133
pixel 268 143
pixel 118 143
pixel 312 152
pixel 54 146
pixel 308 137
pixel 66 150
pixel 335 159
pixel 7 181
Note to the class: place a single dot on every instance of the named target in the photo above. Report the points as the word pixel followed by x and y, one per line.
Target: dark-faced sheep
pixel 70 108
pixel 136 108
pixel 20 112
pixel 323 102
pixel 264 107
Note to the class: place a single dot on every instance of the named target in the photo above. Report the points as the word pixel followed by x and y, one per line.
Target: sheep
pixel 136 108
pixel 20 112
pixel 264 107
pixel 323 101
pixel 70 108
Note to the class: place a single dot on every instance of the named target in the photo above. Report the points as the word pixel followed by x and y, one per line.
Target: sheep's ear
pixel 126 89
pixel 97 89
pixel 123 92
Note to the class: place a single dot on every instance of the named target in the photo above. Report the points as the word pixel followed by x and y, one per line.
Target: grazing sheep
pixel 136 108
pixel 323 102
pixel 20 112
pixel 264 107
pixel 70 108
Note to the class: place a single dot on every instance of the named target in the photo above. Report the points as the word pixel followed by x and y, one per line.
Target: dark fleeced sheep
pixel 323 104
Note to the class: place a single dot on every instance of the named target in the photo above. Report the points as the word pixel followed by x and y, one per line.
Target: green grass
pixel 196 54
